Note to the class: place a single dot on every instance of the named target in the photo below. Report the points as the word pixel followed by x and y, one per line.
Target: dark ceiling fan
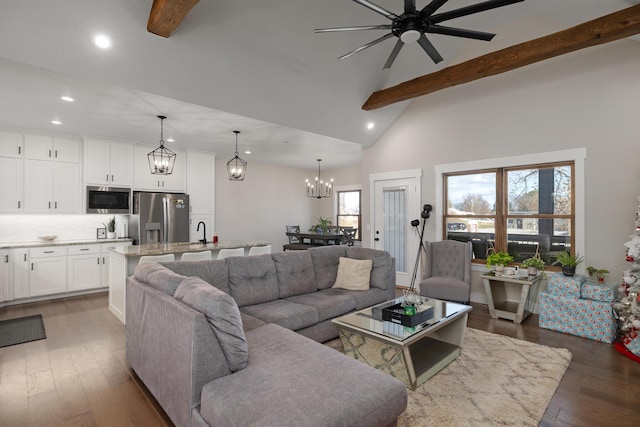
pixel 413 24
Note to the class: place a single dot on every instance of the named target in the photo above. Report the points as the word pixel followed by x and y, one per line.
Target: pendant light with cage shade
pixel 236 167
pixel 161 160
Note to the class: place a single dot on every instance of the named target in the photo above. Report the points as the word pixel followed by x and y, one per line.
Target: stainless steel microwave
pixel 108 200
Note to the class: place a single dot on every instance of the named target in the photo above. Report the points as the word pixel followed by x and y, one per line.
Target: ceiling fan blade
pixel 431 8
pixel 376 41
pixel 382 11
pixel 364 27
pixel 428 47
pixel 393 55
pixel 468 10
pixel 410 7
pixel 460 32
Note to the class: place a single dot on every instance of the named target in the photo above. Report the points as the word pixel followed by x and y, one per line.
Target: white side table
pixel 510 297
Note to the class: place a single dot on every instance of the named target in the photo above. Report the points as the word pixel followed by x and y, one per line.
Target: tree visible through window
pixel 349 210
pixel 523 210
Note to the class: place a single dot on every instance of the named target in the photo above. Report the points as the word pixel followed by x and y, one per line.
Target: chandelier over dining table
pixel 319 188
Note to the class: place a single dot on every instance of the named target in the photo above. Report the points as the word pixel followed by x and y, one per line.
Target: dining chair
pixel 348 235
pixel 157 258
pixel 196 256
pixel 259 250
pixel 224 253
pixel 294 243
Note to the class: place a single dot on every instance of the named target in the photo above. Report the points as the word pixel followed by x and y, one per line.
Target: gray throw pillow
pixel 222 314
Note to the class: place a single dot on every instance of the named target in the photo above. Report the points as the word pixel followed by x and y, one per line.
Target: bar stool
pixel 196 256
pixel 157 258
pixel 224 253
pixel 259 250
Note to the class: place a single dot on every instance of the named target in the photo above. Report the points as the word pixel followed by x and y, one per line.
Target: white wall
pixel 270 198
pixel 589 99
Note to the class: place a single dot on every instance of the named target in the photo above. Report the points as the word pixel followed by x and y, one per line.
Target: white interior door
pixel 396 202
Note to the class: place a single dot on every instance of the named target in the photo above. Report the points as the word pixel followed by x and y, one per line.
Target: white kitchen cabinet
pixel 39 147
pixel 20 274
pixel 108 162
pixel 106 260
pixel 145 180
pixel 51 187
pixel 11 185
pixel 48 271
pixel 201 182
pixel 11 144
pixel 84 266
pixel 4 275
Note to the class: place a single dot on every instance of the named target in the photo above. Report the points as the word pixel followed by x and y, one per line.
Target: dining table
pixel 316 239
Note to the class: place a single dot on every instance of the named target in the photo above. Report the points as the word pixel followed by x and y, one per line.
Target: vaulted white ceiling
pixel 254 66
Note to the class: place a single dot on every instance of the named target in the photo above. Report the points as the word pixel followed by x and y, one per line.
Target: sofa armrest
pixel 172 348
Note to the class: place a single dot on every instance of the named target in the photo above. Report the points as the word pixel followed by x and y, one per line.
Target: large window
pixel 349 210
pixel 523 210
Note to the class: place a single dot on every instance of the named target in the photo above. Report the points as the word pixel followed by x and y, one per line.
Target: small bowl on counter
pixel 47 238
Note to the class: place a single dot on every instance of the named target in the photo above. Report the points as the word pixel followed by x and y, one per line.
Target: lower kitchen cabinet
pixel 84 265
pixel 48 272
pixel 19 277
pixel 4 275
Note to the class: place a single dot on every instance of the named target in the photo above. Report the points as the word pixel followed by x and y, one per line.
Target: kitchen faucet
pixel 204 232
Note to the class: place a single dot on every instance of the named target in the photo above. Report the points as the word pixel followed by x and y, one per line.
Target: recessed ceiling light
pixel 102 41
pixel 371 125
pixel 67 98
pixel 56 122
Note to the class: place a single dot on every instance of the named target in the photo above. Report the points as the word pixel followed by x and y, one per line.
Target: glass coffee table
pixel 411 354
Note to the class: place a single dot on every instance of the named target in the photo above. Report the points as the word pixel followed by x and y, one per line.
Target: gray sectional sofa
pixel 236 342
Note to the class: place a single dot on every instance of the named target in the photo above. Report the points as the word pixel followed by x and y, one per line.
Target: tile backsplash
pixel 27 228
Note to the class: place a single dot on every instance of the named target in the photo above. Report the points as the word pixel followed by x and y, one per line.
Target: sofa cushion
pixel 447 288
pixel 381 274
pixel 293 381
pixel 284 313
pixel 327 306
pixel 252 279
pixel 363 299
pixel 325 264
pixel 295 273
pixel 158 277
pixel 214 272
pixel 353 274
pixel 222 314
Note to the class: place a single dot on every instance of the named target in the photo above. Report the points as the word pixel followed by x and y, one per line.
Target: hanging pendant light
pixel 161 160
pixel 319 188
pixel 236 167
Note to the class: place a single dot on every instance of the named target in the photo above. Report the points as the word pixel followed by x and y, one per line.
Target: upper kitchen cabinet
pixel 11 185
pixel 108 162
pixel 51 187
pixel 11 144
pixel 39 147
pixel 144 180
pixel 200 182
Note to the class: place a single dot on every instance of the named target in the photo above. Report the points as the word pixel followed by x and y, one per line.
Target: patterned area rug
pixel 496 381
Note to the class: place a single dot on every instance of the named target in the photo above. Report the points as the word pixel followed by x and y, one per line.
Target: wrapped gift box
pixel 568 286
pixel 581 317
pixel 598 291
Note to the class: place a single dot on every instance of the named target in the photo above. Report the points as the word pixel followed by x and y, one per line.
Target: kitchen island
pixel 124 261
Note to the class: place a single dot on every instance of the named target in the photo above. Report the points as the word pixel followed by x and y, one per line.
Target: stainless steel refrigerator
pixel 159 218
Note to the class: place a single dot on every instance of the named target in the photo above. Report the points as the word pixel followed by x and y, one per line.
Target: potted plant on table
pixel 499 259
pixel 597 274
pixel 111 228
pixel 569 262
pixel 322 226
pixel 532 265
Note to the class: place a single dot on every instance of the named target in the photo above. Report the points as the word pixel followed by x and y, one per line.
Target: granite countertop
pixel 178 248
pixel 41 243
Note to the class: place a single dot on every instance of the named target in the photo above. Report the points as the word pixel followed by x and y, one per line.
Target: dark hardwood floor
pixel 79 374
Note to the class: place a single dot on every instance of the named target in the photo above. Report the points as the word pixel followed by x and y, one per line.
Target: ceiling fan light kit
pixel 161 160
pixel 413 25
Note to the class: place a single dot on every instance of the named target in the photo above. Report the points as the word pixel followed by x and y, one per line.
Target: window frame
pixel 575 156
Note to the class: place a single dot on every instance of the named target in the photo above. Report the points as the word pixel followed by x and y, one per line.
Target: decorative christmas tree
pixel 628 306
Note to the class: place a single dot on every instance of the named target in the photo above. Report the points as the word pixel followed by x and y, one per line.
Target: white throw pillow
pixel 353 274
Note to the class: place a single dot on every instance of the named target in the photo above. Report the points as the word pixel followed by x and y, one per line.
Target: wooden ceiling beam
pixel 167 15
pixel 602 30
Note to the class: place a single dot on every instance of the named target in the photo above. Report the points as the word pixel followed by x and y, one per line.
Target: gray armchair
pixel 446 271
